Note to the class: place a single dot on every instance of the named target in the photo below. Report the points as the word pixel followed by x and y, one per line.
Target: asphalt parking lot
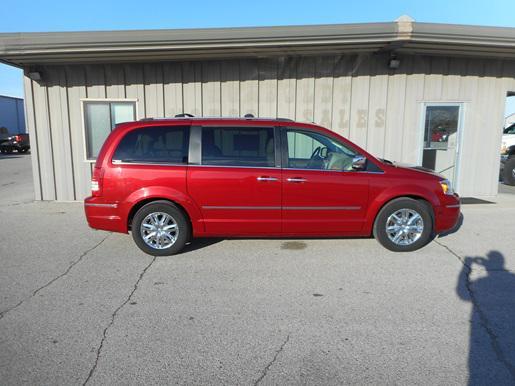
pixel 79 306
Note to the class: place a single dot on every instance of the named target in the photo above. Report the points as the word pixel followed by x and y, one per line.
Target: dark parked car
pixel 508 166
pixel 18 142
pixel 171 180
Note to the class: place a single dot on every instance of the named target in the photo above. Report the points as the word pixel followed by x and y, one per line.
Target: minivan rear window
pixel 238 146
pixel 155 144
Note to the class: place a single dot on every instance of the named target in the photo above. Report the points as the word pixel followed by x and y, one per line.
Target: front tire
pixel 509 172
pixel 160 228
pixel 403 225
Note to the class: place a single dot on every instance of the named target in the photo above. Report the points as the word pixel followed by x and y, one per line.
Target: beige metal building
pixel 428 94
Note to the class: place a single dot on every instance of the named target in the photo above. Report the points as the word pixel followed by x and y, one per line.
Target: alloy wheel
pixel 159 230
pixel 404 227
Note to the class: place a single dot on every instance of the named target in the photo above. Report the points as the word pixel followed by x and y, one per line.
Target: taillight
pixel 17 138
pixel 96 181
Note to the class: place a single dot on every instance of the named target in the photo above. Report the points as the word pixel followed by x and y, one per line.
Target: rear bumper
pixel 447 215
pixel 104 215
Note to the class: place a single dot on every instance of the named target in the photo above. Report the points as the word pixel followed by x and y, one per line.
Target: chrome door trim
pixel 284 208
pixel 322 207
pixel 296 179
pixel 119 162
pixel 334 171
pixel 101 205
pixel 236 167
pixel 242 207
pixel 263 178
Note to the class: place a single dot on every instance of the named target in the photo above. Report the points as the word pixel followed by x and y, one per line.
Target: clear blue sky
pixel 66 15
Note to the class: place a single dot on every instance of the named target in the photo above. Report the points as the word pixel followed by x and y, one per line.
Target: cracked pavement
pixel 84 307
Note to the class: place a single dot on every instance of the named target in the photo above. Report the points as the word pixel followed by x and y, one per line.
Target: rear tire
pixel 403 225
pixel 509 172
pixel 160 228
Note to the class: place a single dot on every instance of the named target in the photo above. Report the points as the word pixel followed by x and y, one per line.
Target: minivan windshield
pixel 510 129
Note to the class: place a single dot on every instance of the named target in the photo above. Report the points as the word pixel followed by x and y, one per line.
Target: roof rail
pixel 184 115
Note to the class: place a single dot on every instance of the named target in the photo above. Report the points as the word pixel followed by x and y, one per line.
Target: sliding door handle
pixel 296 179
pixel 266 178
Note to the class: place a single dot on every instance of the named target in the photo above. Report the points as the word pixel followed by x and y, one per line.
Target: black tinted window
pixel 154 144
pixel 234 146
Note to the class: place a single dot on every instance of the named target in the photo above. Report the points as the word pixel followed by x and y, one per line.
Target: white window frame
pixel 460 129
pixel 83 101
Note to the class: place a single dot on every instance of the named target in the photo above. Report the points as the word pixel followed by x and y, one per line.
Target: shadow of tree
pixel 490 288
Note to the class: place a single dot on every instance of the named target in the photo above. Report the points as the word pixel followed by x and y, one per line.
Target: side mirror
pixel 324 151
pixel 359 162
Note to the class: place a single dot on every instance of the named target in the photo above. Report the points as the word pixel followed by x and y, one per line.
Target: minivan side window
pixel 309 150
pixel 238 146
pixel 155 144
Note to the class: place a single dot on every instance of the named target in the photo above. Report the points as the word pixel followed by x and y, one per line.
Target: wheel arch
pixel 145 196
pixel 140 204
pixel 373 212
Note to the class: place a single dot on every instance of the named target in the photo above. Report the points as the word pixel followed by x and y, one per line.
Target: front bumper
pixel 103 215
pixel 447 214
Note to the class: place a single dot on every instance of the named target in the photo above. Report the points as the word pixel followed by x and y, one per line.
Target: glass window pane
pixel 307 150
pixel 101 118
pixel 236 146
pixel 300 145
pixel 441 126
pixel 168 144
pixel 122 112
pixel 98 126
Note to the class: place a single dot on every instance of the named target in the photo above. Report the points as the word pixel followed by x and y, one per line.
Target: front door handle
pixel 266 178
pixel 296 180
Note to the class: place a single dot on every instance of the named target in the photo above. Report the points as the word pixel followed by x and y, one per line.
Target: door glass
pixel 238 146
pixel 308 150
pixel 441 138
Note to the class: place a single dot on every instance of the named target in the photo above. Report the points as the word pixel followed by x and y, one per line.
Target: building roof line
pixel 32 48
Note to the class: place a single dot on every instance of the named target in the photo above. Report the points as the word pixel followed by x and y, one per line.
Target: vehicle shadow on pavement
pixel 5 156
pixel 490 288
pixel 200 243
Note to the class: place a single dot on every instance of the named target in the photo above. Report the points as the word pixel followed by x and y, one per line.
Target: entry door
pixel 322 195
pixel 238 183
pixel 442 133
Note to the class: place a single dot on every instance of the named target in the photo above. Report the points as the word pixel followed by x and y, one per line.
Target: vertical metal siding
pixel 76 90
pixel 173 99
pixel 355 95
pixel 31 126
pixel 60 135
pixel 44 141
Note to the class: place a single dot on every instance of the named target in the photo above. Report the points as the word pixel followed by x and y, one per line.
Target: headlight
pixel 446 187
pixel 504 148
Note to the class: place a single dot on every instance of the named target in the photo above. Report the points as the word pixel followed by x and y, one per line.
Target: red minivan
pixel 171 180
